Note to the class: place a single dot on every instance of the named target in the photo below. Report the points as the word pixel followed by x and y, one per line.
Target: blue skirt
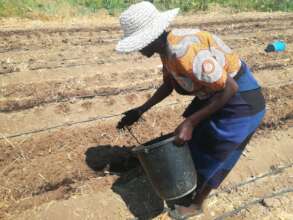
pixel 217 142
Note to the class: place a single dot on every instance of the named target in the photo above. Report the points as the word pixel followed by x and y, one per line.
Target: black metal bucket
pixel 169 168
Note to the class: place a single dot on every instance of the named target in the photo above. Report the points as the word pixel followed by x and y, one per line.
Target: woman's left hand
pixel 183 132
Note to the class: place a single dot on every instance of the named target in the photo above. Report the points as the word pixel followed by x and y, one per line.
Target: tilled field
pixel 63 89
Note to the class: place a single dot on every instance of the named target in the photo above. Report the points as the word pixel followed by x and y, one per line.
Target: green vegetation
pixel 28 8
pixel 260 5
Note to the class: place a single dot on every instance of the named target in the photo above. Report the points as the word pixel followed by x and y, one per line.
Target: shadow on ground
pixel 132 185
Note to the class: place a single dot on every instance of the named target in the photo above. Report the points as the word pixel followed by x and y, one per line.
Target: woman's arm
pixel 185 129
pixel 216 102
pixel 133 115
pixel 162 92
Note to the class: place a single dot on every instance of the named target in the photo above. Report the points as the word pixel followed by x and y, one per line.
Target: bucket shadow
pixel 132 184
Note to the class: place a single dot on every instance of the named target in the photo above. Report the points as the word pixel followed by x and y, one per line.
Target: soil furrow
pixel 99 107
pixel 20 96
pixel 28 57
pixel 30 61
pixel 53 93
pixel 90 39
pixel 64 88
pixel 251 52
pixel 247 167
pixel 284 192
pixel 109 28
pixel 279 112
pixel 33 46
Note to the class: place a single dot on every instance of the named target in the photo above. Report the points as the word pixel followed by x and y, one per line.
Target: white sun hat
pixel 142 23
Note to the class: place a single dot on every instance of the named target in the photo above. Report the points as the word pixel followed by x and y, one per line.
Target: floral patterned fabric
pixel 199 61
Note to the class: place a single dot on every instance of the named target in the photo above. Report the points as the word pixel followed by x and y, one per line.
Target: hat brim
pixel 141 39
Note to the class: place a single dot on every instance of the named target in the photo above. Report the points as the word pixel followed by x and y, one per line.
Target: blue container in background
pixel 277 46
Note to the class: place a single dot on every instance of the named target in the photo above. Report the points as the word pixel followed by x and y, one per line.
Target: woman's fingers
pixel 179 139
pixel 130 117
pixel 183 133
pixel 178 142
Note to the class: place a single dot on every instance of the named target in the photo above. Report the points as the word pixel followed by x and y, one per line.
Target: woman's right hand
pixel 134 115
pixel 130 117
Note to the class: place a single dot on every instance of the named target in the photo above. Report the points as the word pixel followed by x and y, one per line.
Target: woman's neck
pixel 162 50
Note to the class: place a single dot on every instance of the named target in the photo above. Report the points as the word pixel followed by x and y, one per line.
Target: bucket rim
pixel 143 147
pixel 184 194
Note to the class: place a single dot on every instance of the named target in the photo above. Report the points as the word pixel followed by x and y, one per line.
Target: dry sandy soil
pixel 63 89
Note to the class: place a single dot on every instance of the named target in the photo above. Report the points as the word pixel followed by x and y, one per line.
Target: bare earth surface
pixel 63 89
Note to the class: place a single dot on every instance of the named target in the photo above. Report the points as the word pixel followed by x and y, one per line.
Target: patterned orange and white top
pixel 199 61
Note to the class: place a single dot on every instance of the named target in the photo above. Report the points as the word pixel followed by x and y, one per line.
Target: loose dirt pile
pixel 63 90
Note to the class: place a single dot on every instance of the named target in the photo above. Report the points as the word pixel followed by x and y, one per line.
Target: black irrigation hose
pixel 61 125
pixel 82 97
pixel 274 171
pixel 89 120
pixel 74 123
pixel 108 93
pixel 254 202
pixel 96 118
pixel 117 28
